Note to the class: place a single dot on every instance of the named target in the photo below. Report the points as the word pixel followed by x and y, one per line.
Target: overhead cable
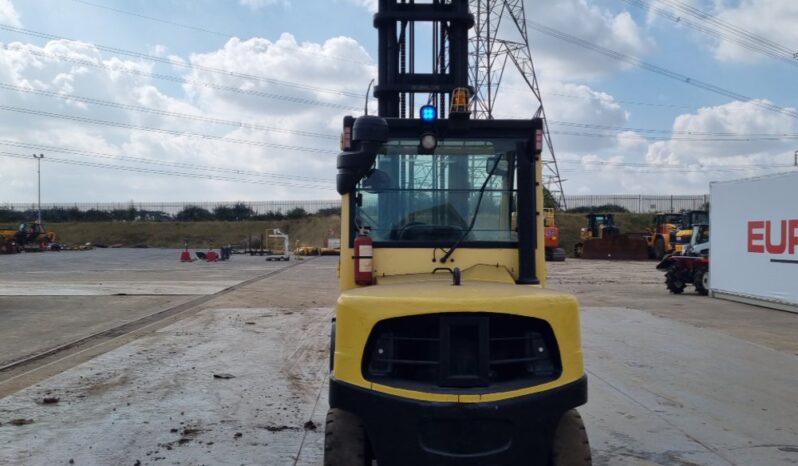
pixel 183 64
pixel 185 116
pixel 165 131
pixel 209 31
pixel 161 172
pixel 149 161
pixel 659 70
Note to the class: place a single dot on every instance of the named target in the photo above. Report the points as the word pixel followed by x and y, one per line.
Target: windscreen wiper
pixel 446 256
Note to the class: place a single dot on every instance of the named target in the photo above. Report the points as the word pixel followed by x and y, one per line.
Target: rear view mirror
pixel 376 181
pixel 502 167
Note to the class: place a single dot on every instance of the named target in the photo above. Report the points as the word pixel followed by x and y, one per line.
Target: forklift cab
pixel 452 353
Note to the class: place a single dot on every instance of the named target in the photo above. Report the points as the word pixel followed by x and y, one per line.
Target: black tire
pixel 674 283
pixel 659 248
pixel 345 442
pixel 701 282
pixel 570 446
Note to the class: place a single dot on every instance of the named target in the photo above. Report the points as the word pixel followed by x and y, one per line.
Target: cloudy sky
pixel 223 100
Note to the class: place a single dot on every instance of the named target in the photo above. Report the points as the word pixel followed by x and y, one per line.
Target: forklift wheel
pixel 570 447
pixel 345 441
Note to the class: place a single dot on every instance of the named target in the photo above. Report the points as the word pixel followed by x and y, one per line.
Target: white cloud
pixel 303 69
pixel 8 14
pixel 259 4
pixel 772 19
pixel 686 162
pixel 563 61
pixel 371 5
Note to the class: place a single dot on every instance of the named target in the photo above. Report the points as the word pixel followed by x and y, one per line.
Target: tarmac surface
pixel 50 299
pixel 674 380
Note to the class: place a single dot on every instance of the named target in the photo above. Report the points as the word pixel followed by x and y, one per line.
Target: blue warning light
pixel 429 113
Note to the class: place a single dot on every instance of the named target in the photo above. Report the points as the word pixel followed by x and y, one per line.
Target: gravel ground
pixel 674 380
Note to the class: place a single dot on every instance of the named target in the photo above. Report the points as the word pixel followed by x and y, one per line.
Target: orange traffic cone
pixel 185 256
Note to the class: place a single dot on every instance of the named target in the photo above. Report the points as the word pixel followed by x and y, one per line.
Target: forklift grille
pixel 479 352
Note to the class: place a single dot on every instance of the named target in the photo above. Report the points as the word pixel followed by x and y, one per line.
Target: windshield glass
pixel 423 197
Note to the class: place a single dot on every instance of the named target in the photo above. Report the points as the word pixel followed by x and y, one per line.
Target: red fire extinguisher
pixel 364 265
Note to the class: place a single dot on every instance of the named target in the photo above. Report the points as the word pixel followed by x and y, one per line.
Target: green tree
pixel 192 213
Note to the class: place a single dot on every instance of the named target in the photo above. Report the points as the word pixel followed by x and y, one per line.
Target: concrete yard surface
pixel 243 380
pixel 51 299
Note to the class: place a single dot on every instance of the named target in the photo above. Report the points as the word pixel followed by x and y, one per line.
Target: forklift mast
pixel 400 80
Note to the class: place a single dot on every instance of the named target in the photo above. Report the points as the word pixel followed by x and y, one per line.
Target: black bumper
pixel 516 431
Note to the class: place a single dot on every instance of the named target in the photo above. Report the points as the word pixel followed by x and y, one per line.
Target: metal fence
pixel 639 203
pixel 171 208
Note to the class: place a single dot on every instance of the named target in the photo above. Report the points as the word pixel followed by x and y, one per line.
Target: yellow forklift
pixel 446 347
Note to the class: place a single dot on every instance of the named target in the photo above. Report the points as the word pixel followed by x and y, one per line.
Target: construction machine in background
pixel 684 235
pixel 551 237
pixel 691 266
pixel 661 236
pixel 602 239
pixel 7 245
pixel 29 237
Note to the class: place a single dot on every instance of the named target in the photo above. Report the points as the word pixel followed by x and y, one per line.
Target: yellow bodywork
pixel 405 286
pixel 682 239
pixel 483 289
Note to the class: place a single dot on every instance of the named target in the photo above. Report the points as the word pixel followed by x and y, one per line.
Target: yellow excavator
pixel 446 346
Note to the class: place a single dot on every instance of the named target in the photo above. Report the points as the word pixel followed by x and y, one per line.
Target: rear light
pixel 346 138
pixel 538 141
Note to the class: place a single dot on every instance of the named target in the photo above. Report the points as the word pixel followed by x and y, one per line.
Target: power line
pixel 165 131
pixel 625 102
pixel 692 168
pixel 176 79
pixel 759 46
pixel 185 116
pixel 671 138
pixel 192 66
pixel 658 69
pixel 239 124
pixel 206 30
pixel 160 172
pixel 728 27
pixel 756 136
pixel 147 161
pixel 153 18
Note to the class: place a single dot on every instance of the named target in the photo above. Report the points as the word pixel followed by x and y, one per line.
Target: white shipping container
pixel 754 240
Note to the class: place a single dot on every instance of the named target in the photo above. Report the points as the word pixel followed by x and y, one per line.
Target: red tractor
pixel 691 267
pixel 686 270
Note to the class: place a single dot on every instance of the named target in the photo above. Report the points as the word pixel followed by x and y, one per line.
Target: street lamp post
pixel 39 158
